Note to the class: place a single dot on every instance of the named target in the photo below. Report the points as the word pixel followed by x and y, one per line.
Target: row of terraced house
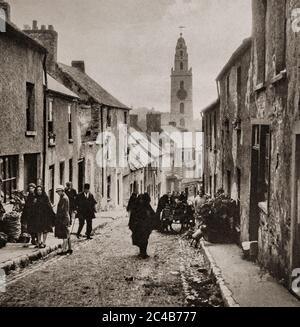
pixel 51 117
pixel 252 136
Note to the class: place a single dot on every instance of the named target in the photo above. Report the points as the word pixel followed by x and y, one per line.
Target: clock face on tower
pixel 182 94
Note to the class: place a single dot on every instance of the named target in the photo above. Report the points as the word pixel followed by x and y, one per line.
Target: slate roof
pixel 235 56
pixel 98 93
pixel 54 85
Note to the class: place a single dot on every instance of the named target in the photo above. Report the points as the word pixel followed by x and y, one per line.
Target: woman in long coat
pixel 142 223
pixel 62 221
pixel 27 217
pixel 43 218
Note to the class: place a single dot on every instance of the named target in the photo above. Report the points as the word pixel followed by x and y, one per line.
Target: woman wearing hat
pixel 62 221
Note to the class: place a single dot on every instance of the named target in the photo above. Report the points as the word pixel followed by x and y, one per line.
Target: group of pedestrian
pixel 39 217
pixel 143 220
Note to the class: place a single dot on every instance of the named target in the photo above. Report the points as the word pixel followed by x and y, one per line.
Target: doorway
pixel 296 231
pixel 260 176
pixel 30 169
pixel 81 166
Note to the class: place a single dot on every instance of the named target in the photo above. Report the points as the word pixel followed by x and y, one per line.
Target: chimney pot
pixel 50 28
pixel 79 64
pixel 43 27
pixel 34 25
pixel 27 27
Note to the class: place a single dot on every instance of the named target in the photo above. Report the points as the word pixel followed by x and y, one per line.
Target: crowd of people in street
pixel 39 218
pixel 143 219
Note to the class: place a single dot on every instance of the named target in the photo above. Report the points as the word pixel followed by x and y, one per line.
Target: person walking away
pixel 43 217
pixel 71 194
pixel 86 209
pixel 130 207
pixel 62 221
pixel 142 223
pixel 27 216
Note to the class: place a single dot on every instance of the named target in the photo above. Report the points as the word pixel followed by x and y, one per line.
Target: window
pixel 108 118
pixel 215 183
pixel 30 104
pixel 182 84
pixel 261 140
pixel 71 170
pixel 238 181
pixel 239 88
pixel 8 177
pixel 181 65
pixel 182 122
pixel 62 173
pixel 125 117
pixel 181 53
pixel 260 33
pixel 50 117
pixel 228 88
pixel 70 131
pixel 210 185
pixel 228 183
pixel 108 187
pixel 210 131
pixel 51 182
pixel 182 108
pixel 280 37
pixel 215 129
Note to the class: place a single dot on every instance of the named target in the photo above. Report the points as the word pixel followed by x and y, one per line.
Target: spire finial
pixel 181 30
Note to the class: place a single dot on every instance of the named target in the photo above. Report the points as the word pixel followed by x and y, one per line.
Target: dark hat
pixel 32 185
pixel 86 186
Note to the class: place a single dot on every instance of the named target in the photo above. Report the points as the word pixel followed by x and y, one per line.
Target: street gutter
pixel 227 295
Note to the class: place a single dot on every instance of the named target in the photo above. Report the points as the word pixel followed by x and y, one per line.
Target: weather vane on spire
pixel 181 29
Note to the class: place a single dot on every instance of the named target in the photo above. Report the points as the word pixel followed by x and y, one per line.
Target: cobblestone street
pixel 107 272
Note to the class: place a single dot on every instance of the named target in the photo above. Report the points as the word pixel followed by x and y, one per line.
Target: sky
pixel 128 45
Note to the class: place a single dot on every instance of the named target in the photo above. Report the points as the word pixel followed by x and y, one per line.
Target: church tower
pixel 182 87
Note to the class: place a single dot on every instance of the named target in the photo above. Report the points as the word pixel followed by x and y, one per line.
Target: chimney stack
pixel 153 122
pixel 34 25
pixel 134 120
pixel 79 64
pixel 5 7
pixel 48 38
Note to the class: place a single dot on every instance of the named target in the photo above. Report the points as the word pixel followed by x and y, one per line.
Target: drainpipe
pixel 45 121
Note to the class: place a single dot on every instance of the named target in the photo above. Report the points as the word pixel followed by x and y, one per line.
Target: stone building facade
pixel 234 135
pixel 273 104
pixel 102 114
pixel 63 139
pixel 267 149
pixel 211 148
pixel 22 143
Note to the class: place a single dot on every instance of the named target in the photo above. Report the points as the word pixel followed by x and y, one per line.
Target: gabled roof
pixel 13 29
pixel 91 87
pixel 235 56
pixel 211 106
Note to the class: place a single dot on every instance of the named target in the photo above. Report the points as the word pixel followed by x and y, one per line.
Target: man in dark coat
pixel 86 209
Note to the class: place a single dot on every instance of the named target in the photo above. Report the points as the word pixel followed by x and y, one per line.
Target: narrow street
pixel 107 272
